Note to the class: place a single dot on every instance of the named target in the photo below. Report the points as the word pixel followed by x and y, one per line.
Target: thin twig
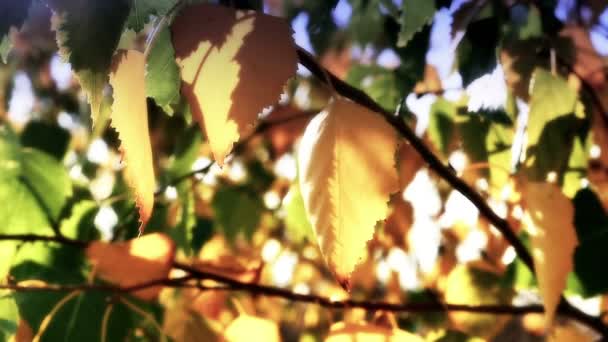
pixel 230 284
pixel 48 238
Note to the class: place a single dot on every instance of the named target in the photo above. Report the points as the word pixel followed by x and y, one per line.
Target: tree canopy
pixel 303 170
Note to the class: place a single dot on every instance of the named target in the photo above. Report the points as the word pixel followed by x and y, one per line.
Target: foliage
pixel 433 170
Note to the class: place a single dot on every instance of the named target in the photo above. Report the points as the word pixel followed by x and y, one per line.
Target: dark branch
pixel 35 237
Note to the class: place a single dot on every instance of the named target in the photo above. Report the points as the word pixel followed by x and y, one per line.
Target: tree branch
pixel 35 237
pixel 230 284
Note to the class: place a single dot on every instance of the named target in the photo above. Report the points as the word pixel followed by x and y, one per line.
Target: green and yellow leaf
pixel 232 65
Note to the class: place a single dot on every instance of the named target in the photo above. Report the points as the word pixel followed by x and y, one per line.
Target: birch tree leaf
pixel 347 332
pixel 136 261
pixel 347 173
pixel 162 74
pixel 414 16
pixel 549 220
pixel 142 10
pixel 551 124
pixel 232 65
pixel 76 23
pixel 130 118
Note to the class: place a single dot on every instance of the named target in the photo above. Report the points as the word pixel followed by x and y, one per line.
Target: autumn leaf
pixel 570 332
pixel 468 285
pixel 130 118
pixel 348 332
pixel 549 220
pixel 347 173
pixel 133 262
pixel 232 65
pixel 246 327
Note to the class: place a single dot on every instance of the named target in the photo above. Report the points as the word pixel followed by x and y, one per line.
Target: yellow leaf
pixel 245 328
pixel 359 332
pixel 232 65
pixel 347 173
pixel 471 286
pixel 130 118
pixel 137 261
pixel 549 220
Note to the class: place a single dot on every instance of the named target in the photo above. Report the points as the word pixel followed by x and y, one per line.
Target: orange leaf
pixel 134 262
pixel 130 118
pixel 232 64
pixel 549 220
pixel 246 328
pixel 350 332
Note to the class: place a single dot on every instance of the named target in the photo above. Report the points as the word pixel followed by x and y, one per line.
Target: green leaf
pixel 366 22
pixel 33 185
pixel 530 26
pixel 162 74
pixel 298 227
pixel 415 14
pixel 182 233
pixel 379 83
pixel 9 316
pixel 186 151
pixel 441 125
pixel 88 33
pixel 550 98
pixel 237 211
pixel 551 125
pixel 142 10
pixel 473 133
pixel 80 318
pixel 498 145
pixel 5 47
pixel 80 224
pixel 38 134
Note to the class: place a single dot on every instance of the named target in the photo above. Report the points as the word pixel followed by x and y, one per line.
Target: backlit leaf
pixel 348 332
pixel 551 103
pixel 467 285
pixel 232 64
pixel 130 118
pixel 245 327
pixel 133 262
pixel 549 220
pixel 347 173
pixel 34 187
pixel 162 74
